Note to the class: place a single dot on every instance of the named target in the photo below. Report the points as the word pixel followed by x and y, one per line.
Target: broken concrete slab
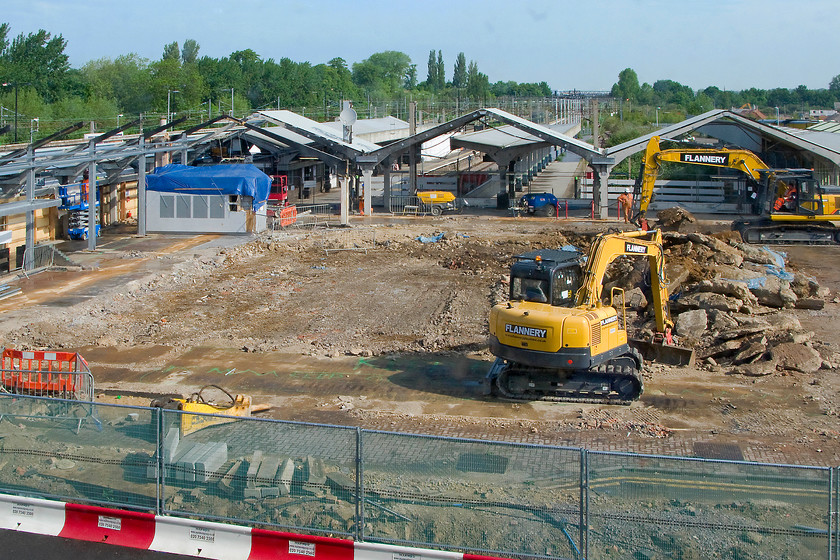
pixel 814 304
pixel 691 323
pixel 731 288
pixel 756 369
pixel 797 357
pixel 750 351
pixel 706 300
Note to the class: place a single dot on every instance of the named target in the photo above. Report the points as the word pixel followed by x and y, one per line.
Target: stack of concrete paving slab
pixel 190 461
pixel 268 476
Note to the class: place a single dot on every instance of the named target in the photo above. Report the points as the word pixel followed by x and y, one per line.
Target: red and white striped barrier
pixel 193 538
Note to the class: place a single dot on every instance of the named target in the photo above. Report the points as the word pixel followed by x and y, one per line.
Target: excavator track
pixel 615 382
pixel 771 234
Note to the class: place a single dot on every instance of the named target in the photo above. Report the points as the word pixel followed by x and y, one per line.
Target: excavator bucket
pixel 664 353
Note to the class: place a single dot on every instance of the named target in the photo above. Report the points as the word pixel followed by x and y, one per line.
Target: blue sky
pixel 733 44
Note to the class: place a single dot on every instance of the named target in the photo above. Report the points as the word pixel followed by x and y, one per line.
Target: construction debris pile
pixel 730 301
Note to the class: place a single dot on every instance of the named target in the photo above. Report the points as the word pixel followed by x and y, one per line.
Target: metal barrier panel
pixel 314 215
pixel 281 474
pixel 405 205
pixel 694 508
pixel 78 451
pixel 43 373
pixel 463 494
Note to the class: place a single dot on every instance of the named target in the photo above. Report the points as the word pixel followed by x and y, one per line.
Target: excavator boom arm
pixel 606 248
pixel 742 160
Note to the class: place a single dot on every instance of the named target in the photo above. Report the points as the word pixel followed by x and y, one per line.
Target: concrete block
pixel 267 471
pixel 253 468
pixel 214 457
pixel 314 471
pixel 284 477
pixel 314 477
pixel 272 492
pixel 170 467
pixel 170 443
pixel 253 492
pixel 340 483
pixel 227 481
pixel 186 465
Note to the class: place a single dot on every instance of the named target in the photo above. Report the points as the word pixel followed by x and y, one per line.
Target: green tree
pixel 478 84
pixel 441 72
pixel 833 85
pixel 383 72
pixel 410 81
pixel 189 52
pixel 171 51
pixel 459 76
pixel 627 86
pixel 432 71
pixel 35 58
pixel 127 80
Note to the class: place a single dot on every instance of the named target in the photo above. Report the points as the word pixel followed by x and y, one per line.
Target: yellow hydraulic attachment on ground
pixel 555 339
pixel 438 202
pixel 239 406
pixel 791 205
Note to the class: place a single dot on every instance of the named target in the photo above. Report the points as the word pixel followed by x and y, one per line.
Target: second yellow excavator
pixel 793 207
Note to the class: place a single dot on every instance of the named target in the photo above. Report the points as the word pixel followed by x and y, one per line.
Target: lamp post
pixel 15 85
pixel 777 116
pixel 169 93
pixel 34 126
pixel 657 117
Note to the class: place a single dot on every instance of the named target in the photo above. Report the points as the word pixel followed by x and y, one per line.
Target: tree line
pixel 182 81
pixel 792 102
pixel 49 94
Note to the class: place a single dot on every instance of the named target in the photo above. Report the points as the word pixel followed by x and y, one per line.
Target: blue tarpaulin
pixel 236 179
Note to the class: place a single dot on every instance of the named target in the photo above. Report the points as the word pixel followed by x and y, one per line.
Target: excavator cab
pixel 546 276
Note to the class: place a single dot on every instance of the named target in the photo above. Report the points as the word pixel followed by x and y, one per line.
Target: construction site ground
pixel 384 326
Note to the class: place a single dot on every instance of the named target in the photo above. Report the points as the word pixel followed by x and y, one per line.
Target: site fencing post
pixel 158 412
pixel 832 512
pixel 584 503
pixel 359 530
pixel 592 210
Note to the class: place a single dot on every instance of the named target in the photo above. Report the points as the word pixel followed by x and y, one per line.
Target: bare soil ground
pixel 390 333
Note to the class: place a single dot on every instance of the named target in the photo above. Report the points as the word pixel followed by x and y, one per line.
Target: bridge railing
pixel 444 493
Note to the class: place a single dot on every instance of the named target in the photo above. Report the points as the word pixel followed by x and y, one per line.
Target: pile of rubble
pixel 733 303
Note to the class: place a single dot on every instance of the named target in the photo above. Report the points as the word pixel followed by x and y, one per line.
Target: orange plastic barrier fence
pixel 43 372
pixel 288 216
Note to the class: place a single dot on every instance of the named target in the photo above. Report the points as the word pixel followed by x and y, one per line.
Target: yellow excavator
pixel 555 339
pixel 792 206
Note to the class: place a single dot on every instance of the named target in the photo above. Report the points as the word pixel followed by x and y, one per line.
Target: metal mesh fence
pixel 296 476
pixel 485 497
pixel 471 495
pixel 78 451
pixel 695 508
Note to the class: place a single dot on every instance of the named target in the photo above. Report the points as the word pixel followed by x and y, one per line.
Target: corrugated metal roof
pixel 826 126
pixel 317 131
